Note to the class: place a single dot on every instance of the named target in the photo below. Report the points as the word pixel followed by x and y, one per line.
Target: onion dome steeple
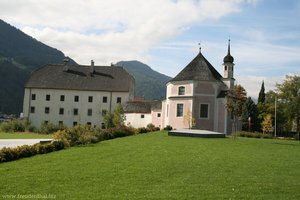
pixel 228 57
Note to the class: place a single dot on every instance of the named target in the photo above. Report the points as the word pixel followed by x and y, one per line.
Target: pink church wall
pixel 221 116
pixel 157 120
pixel 179 122
pixel 188 89
pixel 206 124
pixel 204 88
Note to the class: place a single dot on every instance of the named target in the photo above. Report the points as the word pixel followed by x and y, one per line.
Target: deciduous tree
pixel 236 97
pixel 250 112
pixel 267 124
pixel 289 93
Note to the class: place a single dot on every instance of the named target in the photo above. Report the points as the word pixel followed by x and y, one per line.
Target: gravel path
pixel 19 142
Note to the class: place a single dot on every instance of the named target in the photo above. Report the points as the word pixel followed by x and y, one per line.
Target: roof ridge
pixel 198 69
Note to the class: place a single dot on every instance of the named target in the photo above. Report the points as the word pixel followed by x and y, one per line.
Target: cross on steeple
pixel 199 47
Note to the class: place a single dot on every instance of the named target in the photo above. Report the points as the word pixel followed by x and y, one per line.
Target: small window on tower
pixel 181 90
pixel 225 67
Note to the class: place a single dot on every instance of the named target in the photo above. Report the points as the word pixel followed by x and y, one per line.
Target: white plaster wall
pixel 135 120
pixel 69 104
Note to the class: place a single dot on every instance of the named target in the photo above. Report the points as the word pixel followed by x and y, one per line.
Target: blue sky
pixel 265 34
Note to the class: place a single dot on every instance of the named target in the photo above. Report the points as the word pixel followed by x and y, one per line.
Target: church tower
pixel 228 68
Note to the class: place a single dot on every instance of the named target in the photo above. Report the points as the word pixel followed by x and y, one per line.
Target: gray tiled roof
pixel 198 69
pixel 141 106
pixel 78 77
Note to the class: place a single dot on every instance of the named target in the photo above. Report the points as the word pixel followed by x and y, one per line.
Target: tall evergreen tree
pixel 250 113
pixel 262 95
pixel 261 106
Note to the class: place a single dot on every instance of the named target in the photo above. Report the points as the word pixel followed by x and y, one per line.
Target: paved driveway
pixel 19 142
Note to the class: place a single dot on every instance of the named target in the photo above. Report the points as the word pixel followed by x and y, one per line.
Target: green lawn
pixel 24 135
pixel 157 166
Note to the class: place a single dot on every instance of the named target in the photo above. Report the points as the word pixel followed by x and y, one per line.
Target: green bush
pixel 49 128
pixel 44 148
pixel 78 135
pixel 254 135
pixel 142 130
pixel 117 132
pixel 10 154
pixel 25 151
pixel 13 125
pixel 168 128
pixel 58 145
pixel 267 136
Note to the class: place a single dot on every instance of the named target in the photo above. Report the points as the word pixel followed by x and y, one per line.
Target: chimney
pixel 92 69
pixel 66 66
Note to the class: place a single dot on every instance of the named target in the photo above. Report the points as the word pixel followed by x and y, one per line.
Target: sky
pixel 165 34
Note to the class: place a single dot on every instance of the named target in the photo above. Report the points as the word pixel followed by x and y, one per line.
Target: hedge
pixel 10 154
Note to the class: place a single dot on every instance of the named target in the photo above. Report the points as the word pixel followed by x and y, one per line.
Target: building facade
pixel 140 113
pixel 75 94
pixel 196 97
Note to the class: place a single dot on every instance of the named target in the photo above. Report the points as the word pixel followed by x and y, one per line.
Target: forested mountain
pixel 148 83
pixel 19 55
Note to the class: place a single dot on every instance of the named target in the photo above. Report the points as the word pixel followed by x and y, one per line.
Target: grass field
pixel 23 135
pixel 157 166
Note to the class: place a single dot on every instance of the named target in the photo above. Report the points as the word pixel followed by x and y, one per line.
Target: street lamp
pixel 275 125
pixel 298 94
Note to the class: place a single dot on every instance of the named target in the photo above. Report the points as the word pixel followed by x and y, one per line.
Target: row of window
pixel 203 111
pixel 75 123
pixel 62 111
pixel 76 98
pixel 158 115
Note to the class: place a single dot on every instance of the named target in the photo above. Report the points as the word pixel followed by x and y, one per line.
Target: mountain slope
pixel 19 55
pixel 148 83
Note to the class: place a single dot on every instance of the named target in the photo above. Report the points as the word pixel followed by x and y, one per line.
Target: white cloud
pixel 252 84
pixel 108 31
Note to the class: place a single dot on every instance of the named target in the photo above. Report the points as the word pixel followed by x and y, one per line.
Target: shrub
pixel 58 145
pixel 142 130
pixel 78 135
pixel 267 136
pixel 44 148
pixel 254 135
pixel 8 154
pixel 48 128
pixel 25 151
pixel 168 128
pixel 61 135
pixel 13 125
pixel 151 127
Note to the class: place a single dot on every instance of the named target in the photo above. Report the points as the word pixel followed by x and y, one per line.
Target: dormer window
pixel 181 90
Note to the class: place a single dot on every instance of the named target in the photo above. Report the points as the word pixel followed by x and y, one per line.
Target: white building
pixel 75 94
pixel 141 113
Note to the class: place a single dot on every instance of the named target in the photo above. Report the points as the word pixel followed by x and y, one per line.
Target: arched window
pixel 181 90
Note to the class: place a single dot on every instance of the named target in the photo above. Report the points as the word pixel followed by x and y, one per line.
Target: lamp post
pixel 298 94
pixel 275 125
